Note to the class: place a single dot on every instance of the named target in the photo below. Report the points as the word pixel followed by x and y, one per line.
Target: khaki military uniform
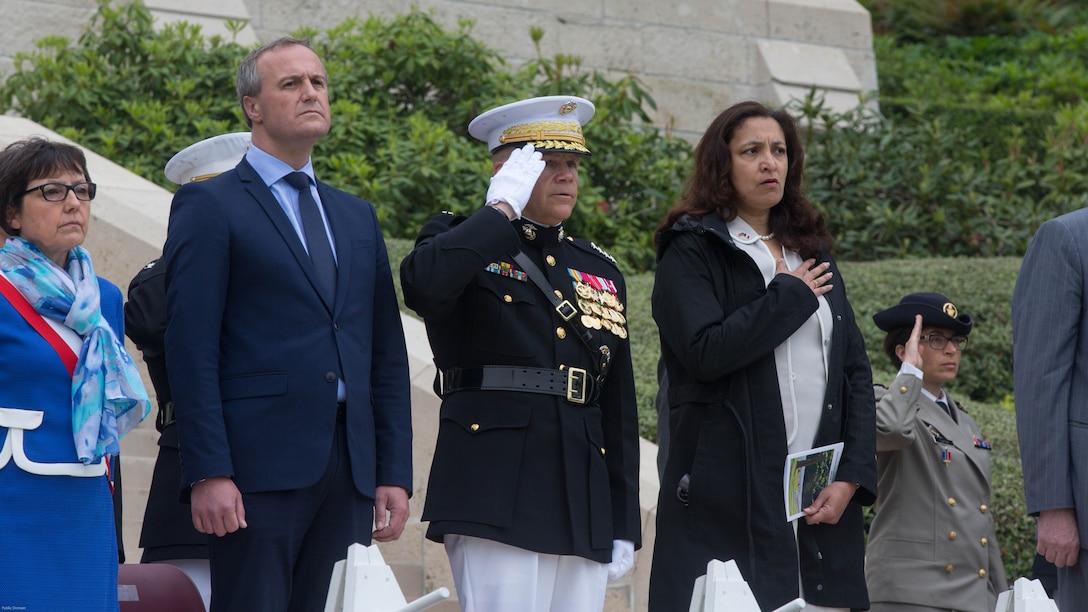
pixel 932 540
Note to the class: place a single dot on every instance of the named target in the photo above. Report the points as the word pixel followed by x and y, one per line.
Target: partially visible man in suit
pixel 285 354
pixel 1050 376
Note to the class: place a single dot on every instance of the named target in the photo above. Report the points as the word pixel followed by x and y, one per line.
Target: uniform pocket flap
pixel 476 419
pixel 264 384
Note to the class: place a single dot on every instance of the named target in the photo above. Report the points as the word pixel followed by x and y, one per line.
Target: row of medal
pixel 601 308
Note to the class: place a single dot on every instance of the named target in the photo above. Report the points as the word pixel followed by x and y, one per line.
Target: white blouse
pixel 802 359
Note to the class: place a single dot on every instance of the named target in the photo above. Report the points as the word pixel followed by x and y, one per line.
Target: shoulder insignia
pixel 151 264
pixel 602 252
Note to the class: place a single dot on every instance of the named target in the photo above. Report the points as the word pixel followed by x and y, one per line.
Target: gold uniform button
pixel 558 294
pixel 550 260
pixel 982 573
pixel 902 389
pixel 948 568
pixel 506 298
pixel 602 450
pixel 983 508
pixel 952 535
pixel 562 333
pixel 474 427
pixel 951 501
pixel 984 541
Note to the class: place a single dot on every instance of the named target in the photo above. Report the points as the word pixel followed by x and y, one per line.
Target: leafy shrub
pixel 127 92
pixel 403 91
pixel 923 19
pixel 931 186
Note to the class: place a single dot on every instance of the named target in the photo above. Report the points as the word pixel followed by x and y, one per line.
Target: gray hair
pixel 249 80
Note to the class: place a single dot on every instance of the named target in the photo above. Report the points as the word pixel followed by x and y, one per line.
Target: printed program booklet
pixel 806 474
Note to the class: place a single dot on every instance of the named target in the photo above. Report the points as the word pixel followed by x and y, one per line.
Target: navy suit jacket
pixel 254 352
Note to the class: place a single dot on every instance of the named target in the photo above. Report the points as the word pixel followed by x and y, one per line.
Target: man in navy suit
pixel 285 354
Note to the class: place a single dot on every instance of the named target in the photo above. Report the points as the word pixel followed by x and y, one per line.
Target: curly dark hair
pixel 796 223
pixel 29 159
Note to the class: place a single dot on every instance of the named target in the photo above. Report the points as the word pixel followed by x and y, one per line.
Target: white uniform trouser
pixel 494 577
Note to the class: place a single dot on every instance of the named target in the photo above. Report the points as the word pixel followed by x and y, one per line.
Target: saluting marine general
pixel 534 483
pixel 931 544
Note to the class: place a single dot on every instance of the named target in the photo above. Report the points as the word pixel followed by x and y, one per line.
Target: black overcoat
pixel 167 531
pixel 719 327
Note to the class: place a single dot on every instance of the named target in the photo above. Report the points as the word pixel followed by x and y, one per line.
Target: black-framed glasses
pixel 937 341
pixel 58 192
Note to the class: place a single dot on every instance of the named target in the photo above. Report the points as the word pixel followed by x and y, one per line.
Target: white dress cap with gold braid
pixel 550 123
pixel 207 158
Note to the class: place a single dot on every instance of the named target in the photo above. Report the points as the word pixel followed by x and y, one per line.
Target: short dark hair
pixel 26 160
pixel 795 221
pixel 893 339
pixel 248 82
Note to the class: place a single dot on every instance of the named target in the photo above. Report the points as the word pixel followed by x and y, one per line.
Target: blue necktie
pixel 317 241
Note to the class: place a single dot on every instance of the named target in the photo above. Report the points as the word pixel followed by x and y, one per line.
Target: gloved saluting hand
pixel 514 181
pixel 623 559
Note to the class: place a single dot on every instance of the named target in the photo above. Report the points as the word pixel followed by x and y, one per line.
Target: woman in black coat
pixel 764 358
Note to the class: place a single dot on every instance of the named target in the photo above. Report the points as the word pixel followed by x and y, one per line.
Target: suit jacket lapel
pixel 260 192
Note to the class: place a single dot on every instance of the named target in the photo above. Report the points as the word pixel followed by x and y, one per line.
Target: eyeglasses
pixel 937 341
pixel 58 192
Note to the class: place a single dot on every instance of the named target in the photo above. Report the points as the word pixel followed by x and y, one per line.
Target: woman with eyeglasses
pixel 68 389
pixel 931 543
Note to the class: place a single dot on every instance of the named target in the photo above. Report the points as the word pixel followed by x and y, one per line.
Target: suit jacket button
pixel 981 573
pixel 506 298
pixel 902 389
pixel 330 376
pixel 951 501
pixel 551 260
pixel 983 508
pixel 336 327
pixel 948 568
pixel 984 542
pixel 560 332
pixel 474 427
pixel 951 535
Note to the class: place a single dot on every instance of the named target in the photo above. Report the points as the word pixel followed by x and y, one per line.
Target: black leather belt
pixel 572 384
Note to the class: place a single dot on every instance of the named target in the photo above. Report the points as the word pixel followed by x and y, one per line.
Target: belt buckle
pixel 576 385
pixel 566 310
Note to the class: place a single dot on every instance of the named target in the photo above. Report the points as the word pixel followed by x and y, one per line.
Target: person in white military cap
pixel 534 483
pixel 167 534
pixel 207 158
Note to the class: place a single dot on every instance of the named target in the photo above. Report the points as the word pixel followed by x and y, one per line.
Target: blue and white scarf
pixel 108 397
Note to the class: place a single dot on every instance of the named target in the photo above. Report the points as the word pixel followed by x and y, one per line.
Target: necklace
pixel 767 237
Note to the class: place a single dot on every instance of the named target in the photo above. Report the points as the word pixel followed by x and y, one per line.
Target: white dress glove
pixel 514 181
pixel 623 559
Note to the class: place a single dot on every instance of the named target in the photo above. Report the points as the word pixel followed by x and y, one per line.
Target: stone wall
pixel 695 56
